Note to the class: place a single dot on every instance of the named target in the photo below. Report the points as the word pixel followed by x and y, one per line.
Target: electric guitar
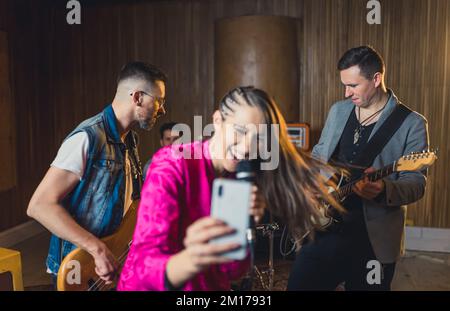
pixel 407 163
pixel 77 270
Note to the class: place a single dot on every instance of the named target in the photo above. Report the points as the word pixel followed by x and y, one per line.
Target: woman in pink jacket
pixel 170 247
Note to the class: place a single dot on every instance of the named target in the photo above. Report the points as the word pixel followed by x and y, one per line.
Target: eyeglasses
pixel 161 101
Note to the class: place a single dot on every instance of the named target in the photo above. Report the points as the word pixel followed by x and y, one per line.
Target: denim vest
pixel 97 202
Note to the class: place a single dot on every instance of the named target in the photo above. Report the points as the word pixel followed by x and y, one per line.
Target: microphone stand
pixel 247 283
pixel 246 172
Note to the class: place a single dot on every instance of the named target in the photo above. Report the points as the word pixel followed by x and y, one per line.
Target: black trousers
pixel 339 256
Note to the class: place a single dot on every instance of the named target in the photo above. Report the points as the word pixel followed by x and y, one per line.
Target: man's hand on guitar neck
pixel 369 190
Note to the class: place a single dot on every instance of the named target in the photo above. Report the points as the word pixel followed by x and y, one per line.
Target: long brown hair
pixel 295 190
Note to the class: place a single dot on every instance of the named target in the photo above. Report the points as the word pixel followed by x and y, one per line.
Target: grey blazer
pixel 385 218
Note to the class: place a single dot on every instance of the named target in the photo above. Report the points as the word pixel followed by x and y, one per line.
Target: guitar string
pixel 121 262
pixel 372 176
pixel 99 280
pixel 100 284
pixel 97 284
pixel 345 190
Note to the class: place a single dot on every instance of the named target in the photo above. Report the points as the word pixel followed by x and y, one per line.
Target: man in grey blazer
pixel 370 234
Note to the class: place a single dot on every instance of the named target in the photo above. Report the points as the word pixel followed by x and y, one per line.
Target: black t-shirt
pixel 345 154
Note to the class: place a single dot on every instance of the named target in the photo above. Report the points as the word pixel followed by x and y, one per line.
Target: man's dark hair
pixel 368 60
pixel 142 71
pixel 165 127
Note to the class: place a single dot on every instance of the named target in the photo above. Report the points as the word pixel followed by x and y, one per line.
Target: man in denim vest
pixel 97 173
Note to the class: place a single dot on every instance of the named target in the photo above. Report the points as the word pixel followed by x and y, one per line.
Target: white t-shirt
pixel 72 157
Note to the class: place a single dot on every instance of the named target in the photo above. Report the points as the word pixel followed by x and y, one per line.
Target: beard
pixel 147 125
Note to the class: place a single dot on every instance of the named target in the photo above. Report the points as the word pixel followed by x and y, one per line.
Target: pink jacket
pixel 176 192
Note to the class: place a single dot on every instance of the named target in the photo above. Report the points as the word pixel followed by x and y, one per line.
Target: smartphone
pixel 231 204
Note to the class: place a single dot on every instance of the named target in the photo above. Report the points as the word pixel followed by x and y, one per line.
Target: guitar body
pixel 328 215
pixel 118 243
pixel 325 219
pixel 407 163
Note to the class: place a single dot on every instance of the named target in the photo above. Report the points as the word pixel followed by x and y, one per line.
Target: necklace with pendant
pixel 361 125
pixel 357 134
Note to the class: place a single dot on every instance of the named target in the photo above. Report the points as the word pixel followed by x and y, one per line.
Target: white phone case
pixel 231 203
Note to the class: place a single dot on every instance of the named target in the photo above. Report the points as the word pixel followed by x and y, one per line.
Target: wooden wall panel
pixel 63 74
pixel 6 205
pixel 7 120
pixel 26 24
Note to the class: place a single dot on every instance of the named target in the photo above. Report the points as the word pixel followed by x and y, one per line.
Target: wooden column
pixel 260 51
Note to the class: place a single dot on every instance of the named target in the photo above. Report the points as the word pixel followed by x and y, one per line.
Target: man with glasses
pixel 97 172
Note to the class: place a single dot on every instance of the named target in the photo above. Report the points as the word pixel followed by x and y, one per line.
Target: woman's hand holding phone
pixel 201 253
pixel 198 253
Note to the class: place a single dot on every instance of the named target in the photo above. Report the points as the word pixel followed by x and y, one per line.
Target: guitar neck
pixel 347 189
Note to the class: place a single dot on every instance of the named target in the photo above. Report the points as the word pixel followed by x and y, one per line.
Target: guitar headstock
pixel 416 161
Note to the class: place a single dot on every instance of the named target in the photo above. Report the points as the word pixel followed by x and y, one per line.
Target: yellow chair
pixel 10 262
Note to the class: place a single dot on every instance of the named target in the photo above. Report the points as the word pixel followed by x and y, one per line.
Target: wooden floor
pixel 417 271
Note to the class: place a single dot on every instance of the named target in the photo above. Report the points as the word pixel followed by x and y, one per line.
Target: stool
pixel 10 263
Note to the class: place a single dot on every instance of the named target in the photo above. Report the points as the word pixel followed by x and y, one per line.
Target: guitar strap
pixel 382 136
